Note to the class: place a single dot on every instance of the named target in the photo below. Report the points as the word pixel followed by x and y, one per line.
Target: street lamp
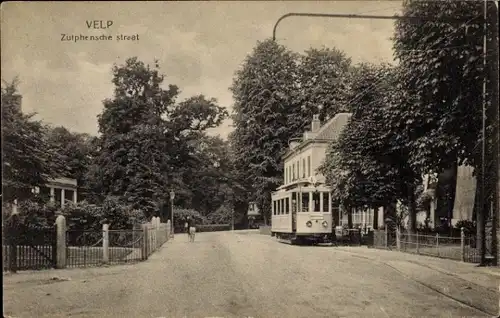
pixel 172 196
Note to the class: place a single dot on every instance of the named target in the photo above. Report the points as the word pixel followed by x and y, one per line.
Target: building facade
pixel 60 191
pixel 301 163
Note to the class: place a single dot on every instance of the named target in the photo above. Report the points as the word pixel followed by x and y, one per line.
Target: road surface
pixel 231 274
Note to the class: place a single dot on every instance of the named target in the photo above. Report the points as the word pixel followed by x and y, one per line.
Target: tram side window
pixel 316 202
pixel 294 202
pixel 305 202
pixel 274 207
pixel 326 202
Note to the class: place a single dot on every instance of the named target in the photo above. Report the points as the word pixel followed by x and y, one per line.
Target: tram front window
pixel 305 201
pixel 316 204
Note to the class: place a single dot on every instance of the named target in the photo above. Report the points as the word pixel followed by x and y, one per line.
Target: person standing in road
pixel 191 229
pixel 186 225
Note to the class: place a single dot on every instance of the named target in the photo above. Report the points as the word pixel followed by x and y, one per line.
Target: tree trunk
pixel 348 210
pixel 375 218
pixel 412 210
pixel 480 208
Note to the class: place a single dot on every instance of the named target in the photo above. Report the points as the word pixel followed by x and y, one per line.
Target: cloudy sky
pixel 199 46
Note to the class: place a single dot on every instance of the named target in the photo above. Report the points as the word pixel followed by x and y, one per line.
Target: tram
pixel 302 215
pixel 302 206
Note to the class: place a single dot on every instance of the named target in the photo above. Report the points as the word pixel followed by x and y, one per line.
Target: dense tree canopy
pixel 441 67
pixel 265 117
pixel 27 159
pixel 147 143
pixel 323 83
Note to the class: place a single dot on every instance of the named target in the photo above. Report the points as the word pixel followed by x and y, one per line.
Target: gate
pixel 29 247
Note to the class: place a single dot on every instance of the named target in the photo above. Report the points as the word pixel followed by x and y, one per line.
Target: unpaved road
pixel 232 275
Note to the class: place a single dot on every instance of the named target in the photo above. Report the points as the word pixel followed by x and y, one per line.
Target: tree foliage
pixel 323 83
pixel 265 117
pixel 146 147
pixel 27 159
pixel 368 166
pixel 441 68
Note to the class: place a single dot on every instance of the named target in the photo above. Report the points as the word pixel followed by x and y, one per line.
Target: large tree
pixel 441 64
pixel 323 85
pixel 27 159
pixel 368 166
pixel 146 148
pixel 265 118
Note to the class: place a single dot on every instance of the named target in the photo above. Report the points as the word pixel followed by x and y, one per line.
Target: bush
pixel 35 212
pixel 180 217
pixel 85 216
pixel 223 215
pixel 213 228
pixel 469 226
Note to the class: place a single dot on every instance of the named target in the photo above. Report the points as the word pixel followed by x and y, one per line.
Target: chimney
pixel 315 124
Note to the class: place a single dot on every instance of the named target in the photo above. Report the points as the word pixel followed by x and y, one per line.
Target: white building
pixel 60 191
pixel 301 163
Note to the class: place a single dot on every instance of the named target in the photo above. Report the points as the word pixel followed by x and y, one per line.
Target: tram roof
pixel 327 133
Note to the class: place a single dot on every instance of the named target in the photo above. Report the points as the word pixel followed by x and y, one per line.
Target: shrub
pixel 35 212
pixel 222 215
pixel 85 216
pixel 213 228
pixel 469 226
pixel 180 216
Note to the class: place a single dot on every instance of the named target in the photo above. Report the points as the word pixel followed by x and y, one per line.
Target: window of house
pixel 303 168
pixel 293 171
pixel 309 166
pixel 298 169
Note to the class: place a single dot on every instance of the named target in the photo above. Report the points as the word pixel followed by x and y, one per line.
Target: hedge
pixel 213 227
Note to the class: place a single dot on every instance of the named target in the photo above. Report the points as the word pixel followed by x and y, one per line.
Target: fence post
pixel 168 230
pixel 13 235
pixel 417 244
pixel 105 243
pixel 398 239
pixel 61 241
pixel 462 243
pixel 437 243
pixel 145 242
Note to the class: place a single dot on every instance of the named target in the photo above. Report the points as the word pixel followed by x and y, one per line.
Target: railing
pixel 125 246
pixel 457 248
pixel 28 247
pixel 84 248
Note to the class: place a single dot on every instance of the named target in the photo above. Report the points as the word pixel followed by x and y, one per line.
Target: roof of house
pixel 327 133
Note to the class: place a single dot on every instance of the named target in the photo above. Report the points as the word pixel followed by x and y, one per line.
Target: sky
pixel 199 46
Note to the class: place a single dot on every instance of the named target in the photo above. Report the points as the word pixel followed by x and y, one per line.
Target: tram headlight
pixel 309 223
pixel 325 224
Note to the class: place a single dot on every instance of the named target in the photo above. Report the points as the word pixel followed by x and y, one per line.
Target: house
pixel 301 163
pixel 253 214
pixel 59 190
pixel 464 197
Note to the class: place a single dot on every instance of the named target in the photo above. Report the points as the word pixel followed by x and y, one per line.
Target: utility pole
pixel 493 63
